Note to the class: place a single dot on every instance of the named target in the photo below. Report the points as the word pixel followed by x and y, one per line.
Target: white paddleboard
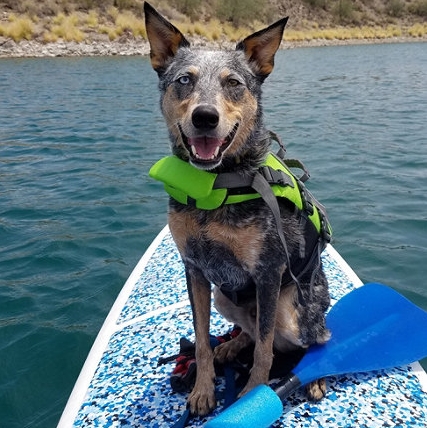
pixel 121 385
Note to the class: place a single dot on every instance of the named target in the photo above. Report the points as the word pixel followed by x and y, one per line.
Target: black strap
pixel 275 176
pixel 290 163
pixel 276 137
pixel 261 185
pixel 235 180
pixel 261 182
pixel 232 180
pixel 296 163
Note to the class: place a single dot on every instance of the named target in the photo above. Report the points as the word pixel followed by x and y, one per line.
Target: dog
pixel 211 102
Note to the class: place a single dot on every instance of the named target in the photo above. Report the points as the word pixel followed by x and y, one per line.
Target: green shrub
pixel 190 8
pixel 240 12
pixel 317 3
pixel 344 11
pixel 419 8
pixel 395 8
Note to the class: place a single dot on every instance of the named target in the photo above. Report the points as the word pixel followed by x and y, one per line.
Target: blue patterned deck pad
pixel 128 389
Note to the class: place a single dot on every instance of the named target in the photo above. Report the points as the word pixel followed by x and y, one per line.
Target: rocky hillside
pixel 241 12
pixel 216 21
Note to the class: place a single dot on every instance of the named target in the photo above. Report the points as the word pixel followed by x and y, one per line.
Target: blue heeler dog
pixel 211 101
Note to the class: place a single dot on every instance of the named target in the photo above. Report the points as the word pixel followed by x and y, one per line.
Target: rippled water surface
pixel 77 210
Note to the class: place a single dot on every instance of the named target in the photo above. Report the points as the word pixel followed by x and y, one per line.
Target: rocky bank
pixel 126 46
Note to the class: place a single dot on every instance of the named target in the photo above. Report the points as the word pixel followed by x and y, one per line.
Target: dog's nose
pixel 205 117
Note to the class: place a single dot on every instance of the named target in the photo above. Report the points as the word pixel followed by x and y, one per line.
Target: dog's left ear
pixel 165 39
pixel 260 47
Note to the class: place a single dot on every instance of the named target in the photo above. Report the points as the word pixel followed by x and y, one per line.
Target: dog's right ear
pixel 164 38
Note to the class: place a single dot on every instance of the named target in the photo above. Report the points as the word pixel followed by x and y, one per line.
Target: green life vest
pixel 208 191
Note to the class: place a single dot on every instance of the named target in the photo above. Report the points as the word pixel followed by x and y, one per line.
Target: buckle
pixel 326 234
pixel 274 176
pixel 324 227
pixel 307 201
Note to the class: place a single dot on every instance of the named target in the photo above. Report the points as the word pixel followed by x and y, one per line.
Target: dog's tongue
pixel 205 147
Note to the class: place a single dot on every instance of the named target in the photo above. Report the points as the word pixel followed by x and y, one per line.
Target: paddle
pixel 373 327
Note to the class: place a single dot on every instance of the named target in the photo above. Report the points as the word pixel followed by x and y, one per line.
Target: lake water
pixel 77 209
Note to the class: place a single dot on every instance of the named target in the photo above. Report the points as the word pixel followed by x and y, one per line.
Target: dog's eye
pixel 184 80
pixel 233 83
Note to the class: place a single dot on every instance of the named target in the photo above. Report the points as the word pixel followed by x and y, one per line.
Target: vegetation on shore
pixel 86 20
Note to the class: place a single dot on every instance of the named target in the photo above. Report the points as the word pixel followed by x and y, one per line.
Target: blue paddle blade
pixel 373 328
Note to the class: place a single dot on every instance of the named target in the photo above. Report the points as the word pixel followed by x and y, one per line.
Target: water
pixel 77 210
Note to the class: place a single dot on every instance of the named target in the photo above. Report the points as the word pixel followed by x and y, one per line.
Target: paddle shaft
pixel 287 386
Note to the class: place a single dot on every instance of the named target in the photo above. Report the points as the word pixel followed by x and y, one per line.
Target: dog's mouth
pixel 205 151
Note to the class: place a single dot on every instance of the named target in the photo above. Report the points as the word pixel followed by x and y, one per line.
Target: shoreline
pixel 129 46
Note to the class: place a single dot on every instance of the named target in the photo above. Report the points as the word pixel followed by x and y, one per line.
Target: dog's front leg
pixel 202 399
pixel 267 299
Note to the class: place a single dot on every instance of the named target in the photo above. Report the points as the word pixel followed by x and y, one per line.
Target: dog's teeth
pixel 197 156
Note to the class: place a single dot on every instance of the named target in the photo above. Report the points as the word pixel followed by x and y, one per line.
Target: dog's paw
pixel 227 351
pixel 316 390
pixel 202 401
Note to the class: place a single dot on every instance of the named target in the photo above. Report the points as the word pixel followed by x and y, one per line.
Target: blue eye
pixel 184 80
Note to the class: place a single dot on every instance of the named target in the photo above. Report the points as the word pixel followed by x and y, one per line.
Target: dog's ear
pixel 164 38
pixel 260 47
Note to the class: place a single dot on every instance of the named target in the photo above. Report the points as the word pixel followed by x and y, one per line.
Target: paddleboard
pixel 121 384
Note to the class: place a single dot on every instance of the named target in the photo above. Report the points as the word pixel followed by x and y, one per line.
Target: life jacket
pixel 206 190
pixel 274 180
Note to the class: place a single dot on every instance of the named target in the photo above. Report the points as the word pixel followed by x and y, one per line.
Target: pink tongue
pixel 205 146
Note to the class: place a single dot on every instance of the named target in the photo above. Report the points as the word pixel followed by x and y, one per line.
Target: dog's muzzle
pixel 205 148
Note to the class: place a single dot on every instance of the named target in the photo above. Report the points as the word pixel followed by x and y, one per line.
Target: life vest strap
pixel 234 180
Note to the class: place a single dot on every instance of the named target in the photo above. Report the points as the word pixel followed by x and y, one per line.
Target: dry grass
pixel 92 20
pixel 18 28
pixel 356 33
pixel 109 31
pixel 128 22
pixel 418 30
pixel 215 30
pixel 79 26
pixel 66 27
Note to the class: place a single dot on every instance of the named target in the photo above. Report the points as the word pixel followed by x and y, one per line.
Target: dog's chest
pixel 225 254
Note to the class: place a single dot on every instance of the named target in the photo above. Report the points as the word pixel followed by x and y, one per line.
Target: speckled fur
pixel 234 246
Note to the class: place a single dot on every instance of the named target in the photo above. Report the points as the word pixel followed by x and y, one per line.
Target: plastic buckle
pixel 327 236
pixel 266 173
pixel 274 176
pixel 307 202
pixel 325 229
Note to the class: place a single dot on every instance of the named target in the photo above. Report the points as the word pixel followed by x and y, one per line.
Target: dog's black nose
pixel 205 117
